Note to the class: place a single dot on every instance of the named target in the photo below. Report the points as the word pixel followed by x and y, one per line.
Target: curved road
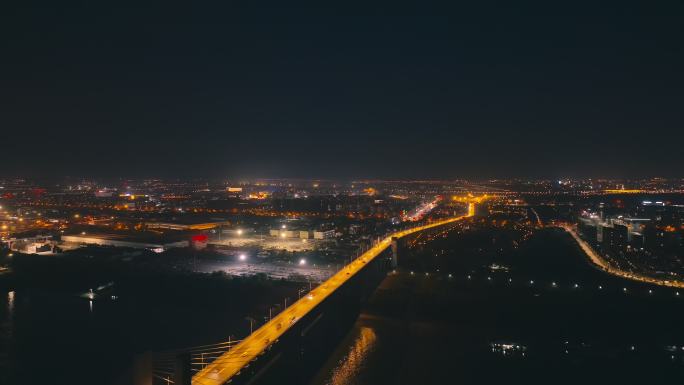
pixel 605 266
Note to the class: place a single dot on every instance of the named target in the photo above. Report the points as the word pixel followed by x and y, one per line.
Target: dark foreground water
pixel 551 318
pixel 57 337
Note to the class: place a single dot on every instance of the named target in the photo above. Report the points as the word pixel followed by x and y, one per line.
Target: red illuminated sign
pixel 199 238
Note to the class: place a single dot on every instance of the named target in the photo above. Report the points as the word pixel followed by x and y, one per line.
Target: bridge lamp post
pixel 275 306
pixel 251 324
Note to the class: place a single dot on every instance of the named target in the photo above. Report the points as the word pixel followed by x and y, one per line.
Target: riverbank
pixel 605 266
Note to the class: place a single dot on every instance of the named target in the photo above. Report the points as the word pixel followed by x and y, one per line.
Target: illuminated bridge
pixel 246 360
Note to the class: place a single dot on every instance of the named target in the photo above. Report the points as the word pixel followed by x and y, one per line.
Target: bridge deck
pixel 232 362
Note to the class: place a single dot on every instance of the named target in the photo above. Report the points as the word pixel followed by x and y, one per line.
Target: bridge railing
pixel 177 366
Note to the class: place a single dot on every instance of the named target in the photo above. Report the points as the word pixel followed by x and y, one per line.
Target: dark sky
pixel 256 88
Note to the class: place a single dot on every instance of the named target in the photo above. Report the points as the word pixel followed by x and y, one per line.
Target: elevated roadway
pixel 228 365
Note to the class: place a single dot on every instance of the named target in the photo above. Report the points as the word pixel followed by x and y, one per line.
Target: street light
pixel 251 324
pixel 302 262
pixel 243 257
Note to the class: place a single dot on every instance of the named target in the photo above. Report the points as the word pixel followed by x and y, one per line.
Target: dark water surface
pixel 433 329
pixel 57 337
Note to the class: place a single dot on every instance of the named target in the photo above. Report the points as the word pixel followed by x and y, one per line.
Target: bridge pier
pixel 395 252
pixel 182 371
pixel 142 370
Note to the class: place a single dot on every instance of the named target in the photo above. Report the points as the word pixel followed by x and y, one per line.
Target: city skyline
pixel 369 193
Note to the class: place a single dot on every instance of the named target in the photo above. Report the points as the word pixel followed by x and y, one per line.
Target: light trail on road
pixel 232 362
pixel 608 268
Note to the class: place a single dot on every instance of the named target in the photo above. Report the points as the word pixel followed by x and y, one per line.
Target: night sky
pixel 374 89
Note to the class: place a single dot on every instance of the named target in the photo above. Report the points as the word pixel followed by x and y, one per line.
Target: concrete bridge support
pixel 395 252
pixel 182 372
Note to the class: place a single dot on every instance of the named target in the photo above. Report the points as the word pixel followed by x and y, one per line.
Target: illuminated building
pixel 151 242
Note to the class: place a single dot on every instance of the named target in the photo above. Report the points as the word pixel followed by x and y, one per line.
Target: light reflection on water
pixel 347 370
pixel 6 331
pixel 10 303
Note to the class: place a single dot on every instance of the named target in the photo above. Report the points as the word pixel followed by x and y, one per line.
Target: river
pixel 541 314
pixel 59 337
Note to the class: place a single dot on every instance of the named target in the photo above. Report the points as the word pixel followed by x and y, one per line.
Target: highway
pixel 608 268
pixel 232 362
